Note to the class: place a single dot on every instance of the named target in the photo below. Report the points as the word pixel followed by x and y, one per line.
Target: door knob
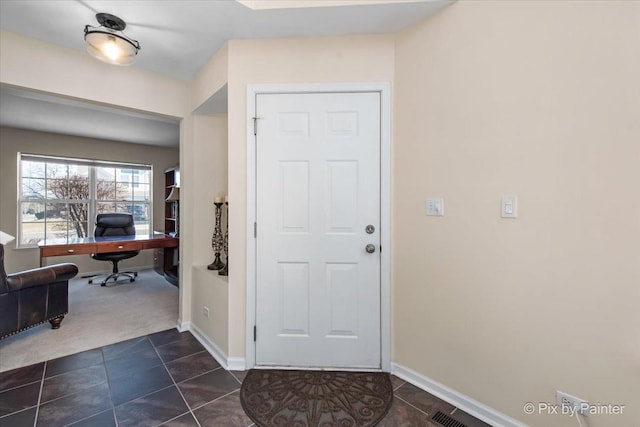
pixel 370 248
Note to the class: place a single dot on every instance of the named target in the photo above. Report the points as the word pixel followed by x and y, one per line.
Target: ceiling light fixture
pixel 108 43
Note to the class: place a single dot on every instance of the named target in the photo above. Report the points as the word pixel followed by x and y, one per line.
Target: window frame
pixel 92 202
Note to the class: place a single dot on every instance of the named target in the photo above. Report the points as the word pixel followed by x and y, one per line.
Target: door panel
pixel 342 280
pixel 293 208
pixel 293 279
pixel 342 196
pixel 318 187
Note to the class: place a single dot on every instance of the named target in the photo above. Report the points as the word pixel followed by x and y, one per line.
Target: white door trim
pixel 385 204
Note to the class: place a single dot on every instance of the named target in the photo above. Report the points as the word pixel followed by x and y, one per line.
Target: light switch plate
pixel 435 206
pixel 509 206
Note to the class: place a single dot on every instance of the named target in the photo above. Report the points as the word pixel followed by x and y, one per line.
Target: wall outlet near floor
pixel 205 312
pixel 572 404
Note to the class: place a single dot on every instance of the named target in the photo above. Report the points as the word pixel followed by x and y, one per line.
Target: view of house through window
pixel 60 197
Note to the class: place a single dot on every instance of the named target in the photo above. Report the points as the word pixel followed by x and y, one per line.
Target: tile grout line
pixel 414 407
pixel 104 366
pixel 395 389
pixel 72 394
pixel 86 418
pixel 125 352
pixel 180 338
pixel 148 366
pixel 106 380
pixel 106 374
pixel 237 379
pixel 191 378
pixel 455 408
pixel 17 412
pixel 174 418
pixel 150 393
pixel 175 384
pixel 18 386
pixel 44 371
pixel 216 399
pixel 199 375
pixel 113 405
pixel 189 355
pixel 73 370
pixel 76 392
pixel 144 395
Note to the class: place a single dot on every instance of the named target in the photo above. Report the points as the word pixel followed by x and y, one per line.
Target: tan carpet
pixel 97 316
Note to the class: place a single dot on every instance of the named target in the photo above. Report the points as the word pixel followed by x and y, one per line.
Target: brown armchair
pixel 32 297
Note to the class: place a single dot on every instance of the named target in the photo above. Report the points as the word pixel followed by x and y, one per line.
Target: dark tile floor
pixel 165 379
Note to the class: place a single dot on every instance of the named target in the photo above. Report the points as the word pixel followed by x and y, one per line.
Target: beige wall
pixel 13 141
pixel 541 100
pixel 212 291
pixel 209 171
pixel 317 60
pixel 209 176
pixel 211 77
pixel 203 156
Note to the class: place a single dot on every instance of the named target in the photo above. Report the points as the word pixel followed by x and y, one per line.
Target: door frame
pixel 384 89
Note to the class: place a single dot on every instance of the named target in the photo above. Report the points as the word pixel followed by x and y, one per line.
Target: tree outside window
pixel 59 198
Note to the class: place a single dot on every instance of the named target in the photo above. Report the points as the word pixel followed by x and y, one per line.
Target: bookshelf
pixel 171 179
pixel 166 260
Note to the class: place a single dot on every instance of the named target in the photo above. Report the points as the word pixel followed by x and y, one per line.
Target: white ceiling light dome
pixel 108 43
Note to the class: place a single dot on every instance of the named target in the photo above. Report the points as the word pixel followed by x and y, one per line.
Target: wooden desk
pixel 93 245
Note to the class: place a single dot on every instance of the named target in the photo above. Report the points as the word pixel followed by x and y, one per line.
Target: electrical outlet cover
pixel 435 206
pixel 565 399
pixel 509 206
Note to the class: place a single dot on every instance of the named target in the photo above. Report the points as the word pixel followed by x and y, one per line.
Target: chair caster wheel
pixel 135 274
pixel 103 284
pixel 91 282
pixel 132 280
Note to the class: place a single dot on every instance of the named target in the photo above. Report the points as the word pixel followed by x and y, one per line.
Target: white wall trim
pixel 217 353
pixel 183 326
pixel 465 403
pixel 385 203
pixel 236 363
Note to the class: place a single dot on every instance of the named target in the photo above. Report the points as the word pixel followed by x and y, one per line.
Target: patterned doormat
pixel 315 398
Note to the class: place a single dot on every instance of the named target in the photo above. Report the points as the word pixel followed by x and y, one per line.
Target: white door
pixel 318 190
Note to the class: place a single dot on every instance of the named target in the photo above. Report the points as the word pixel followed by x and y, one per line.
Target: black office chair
pixel 114 225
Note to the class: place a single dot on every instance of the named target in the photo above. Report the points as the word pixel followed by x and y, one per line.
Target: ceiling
pixel 177 38
pixel 24 109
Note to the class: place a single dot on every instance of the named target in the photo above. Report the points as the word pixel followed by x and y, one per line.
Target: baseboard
pixel 221 357
pixel 465 403
pixel 236 363
pixel 183 326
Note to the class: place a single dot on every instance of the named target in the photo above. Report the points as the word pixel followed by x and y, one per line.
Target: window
pixel 60 197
